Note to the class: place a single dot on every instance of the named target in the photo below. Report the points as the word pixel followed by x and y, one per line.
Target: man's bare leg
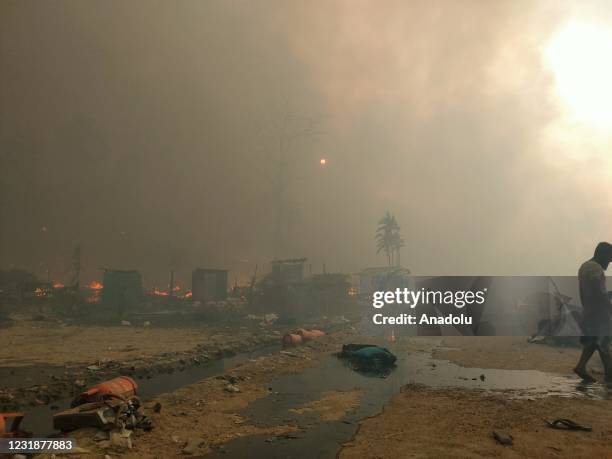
pixel 580 370
pixel 606 359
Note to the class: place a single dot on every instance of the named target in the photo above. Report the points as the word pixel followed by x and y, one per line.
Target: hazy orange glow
pixel 95 285
pixel 323 161
pixel 158 292
pixel 58 285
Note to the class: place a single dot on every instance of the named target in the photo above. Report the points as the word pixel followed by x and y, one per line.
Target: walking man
pixel 597 312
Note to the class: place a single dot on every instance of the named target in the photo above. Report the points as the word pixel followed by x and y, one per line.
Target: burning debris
pixel 173 292
pixel 95 285
pixel 157 292
pixel 96 288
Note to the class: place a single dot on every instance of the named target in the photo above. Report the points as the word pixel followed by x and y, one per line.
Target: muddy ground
pixel 433 423
pixel 511 353
pixel 57 343
pixel 43 361
pixel 202 417
pixel 222 415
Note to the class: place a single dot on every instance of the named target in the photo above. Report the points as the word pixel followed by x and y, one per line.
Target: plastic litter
pixel 121 387
pixel 12 429
pixel 308 335
pixel 291 339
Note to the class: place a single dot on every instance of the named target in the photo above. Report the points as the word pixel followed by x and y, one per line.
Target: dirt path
pixel 421 422
pixel 32 342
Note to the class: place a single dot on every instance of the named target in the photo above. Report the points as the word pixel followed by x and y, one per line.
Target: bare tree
pixel 288 132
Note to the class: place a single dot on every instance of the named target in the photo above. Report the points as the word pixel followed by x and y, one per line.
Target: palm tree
pixel 397 244
pixel 388 239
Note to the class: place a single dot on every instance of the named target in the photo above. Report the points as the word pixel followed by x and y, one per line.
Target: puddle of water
pixel 323 439
pixel 39 420
pixel 163 383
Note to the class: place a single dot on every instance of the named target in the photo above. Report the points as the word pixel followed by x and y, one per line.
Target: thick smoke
pixel 152 133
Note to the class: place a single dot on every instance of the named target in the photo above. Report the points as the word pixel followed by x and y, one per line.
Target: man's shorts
pixel 602 342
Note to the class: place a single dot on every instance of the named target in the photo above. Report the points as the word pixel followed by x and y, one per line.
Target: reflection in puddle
pixel 323 439
pixel 512 383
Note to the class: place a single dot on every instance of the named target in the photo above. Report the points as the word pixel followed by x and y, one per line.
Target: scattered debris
pixel 291 339
pixel 290 354
pixel 108 404
pixel 269 319
pixel 308 335
pixel 121 439
pixel 13 430
pixel 299 336
pixel 503 438
pixel 368 358
pixel 101 435
pixel 110 413
pixel 567 424
pixel 97 414
pixel 104 444
pixel 536 339
pixel 121 387
pixel 232 388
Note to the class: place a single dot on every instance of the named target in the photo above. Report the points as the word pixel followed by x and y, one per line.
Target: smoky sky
pixel 157 135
